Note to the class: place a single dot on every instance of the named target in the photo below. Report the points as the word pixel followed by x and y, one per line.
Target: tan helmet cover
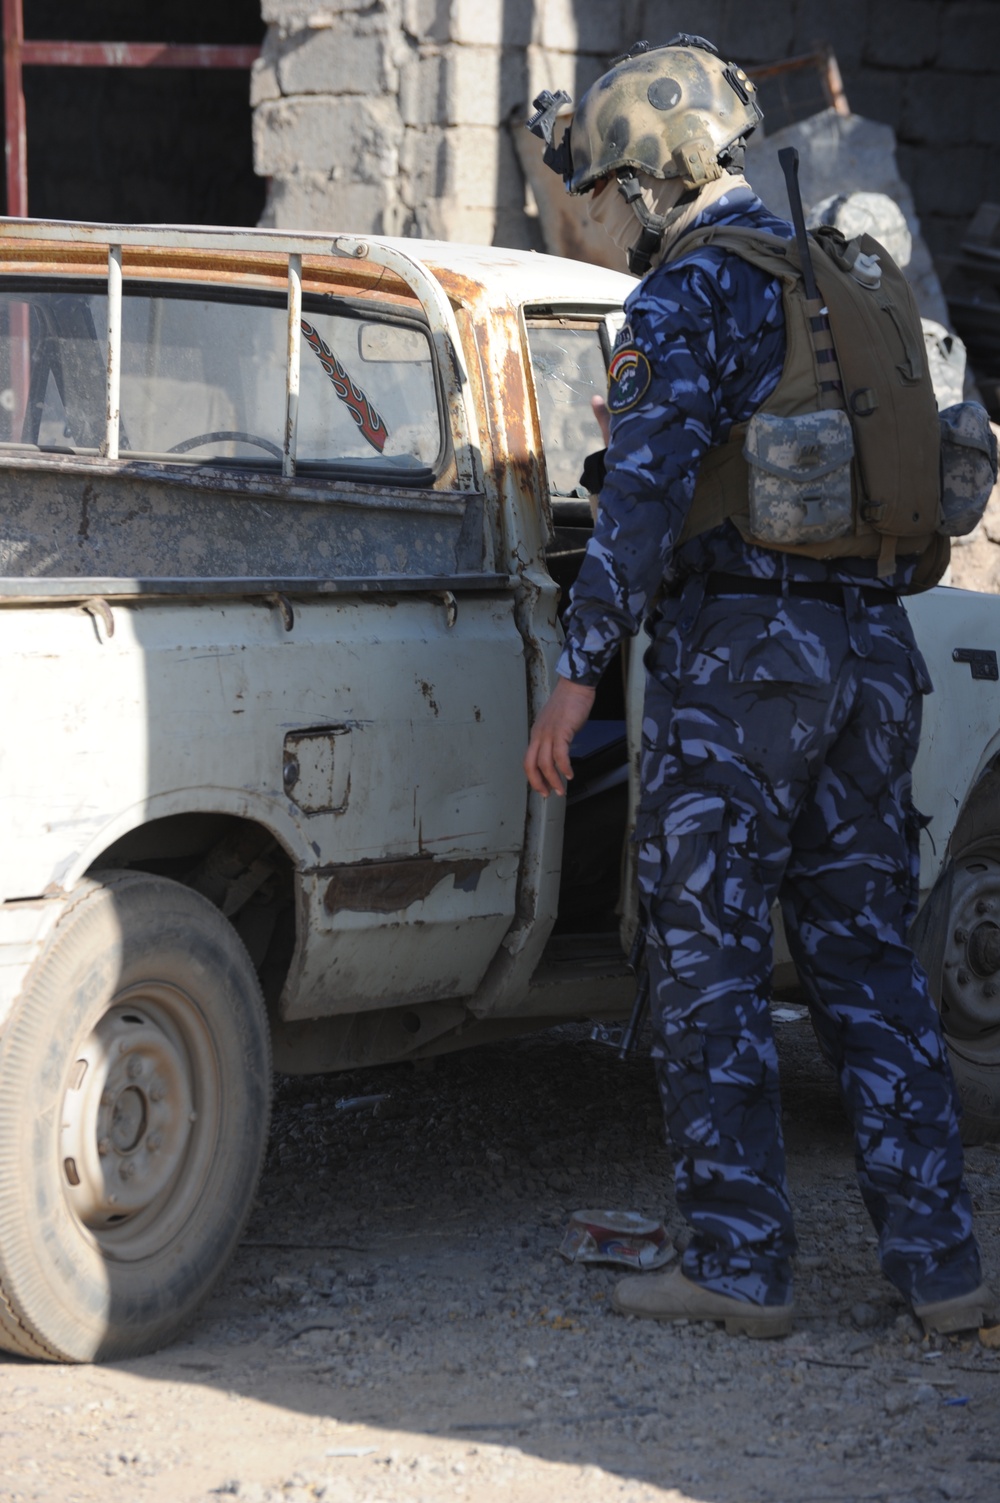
pixel 670 111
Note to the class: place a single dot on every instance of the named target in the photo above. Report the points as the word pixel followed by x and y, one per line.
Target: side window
pixel 568 367
pixel 204 379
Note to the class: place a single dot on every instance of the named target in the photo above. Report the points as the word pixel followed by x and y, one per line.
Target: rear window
pixel 203 380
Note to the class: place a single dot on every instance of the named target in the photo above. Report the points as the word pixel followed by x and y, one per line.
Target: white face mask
pixel 617 218
pixel 613 214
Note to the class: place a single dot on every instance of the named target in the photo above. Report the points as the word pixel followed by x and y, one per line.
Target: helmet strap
pixel 653 227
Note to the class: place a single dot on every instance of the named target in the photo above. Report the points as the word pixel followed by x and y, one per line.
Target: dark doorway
pixel 142 145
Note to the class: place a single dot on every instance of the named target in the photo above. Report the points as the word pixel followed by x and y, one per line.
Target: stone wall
pixel 392 116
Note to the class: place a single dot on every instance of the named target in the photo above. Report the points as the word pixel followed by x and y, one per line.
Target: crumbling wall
pixel 392 115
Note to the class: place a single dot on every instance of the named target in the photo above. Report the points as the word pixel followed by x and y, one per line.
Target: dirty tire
pixel 970 985
pixel 135 1081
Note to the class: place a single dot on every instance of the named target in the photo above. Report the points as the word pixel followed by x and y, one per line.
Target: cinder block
pixel 457 221
pixel 940 108
pixel 582 26
pixel 658 21
pixel 461 86
pixel 493 23
pixel 943 233
pixel 877 93
pixel 356 139
pixel 970 38
pixel 553 70
pixel 985 127
pixel 263 82
pixel 340 59
pixel 903 33
pixel 755 34
pixel 424 158
pixel 427 20
pixel 457 163
pixel 310 201
pixel 423 90
pixel 473 174
pixel 517 230
pixel 842 25
pixel 949 180
pixel 294 13
pixel 483 84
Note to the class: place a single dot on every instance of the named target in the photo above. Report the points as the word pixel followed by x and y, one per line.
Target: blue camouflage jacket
pixel 712 330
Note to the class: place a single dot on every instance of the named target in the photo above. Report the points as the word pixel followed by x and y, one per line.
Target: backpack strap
pixel 780 259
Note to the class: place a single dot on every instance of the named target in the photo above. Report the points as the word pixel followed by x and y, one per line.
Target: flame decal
pixel 364 414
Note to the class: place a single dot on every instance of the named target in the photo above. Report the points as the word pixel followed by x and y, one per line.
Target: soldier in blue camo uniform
pixel 781 721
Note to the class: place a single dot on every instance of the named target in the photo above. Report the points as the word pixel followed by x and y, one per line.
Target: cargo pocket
pixel 968 467
pixel 682 848
pixel 681 1065
pixel 800 477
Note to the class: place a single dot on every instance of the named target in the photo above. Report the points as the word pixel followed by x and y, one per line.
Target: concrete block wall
pixel 393 116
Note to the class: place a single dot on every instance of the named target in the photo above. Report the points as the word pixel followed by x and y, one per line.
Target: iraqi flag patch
pixel 629 375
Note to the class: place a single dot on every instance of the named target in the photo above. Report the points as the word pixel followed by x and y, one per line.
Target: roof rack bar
pixel 293 363
pixel 113 411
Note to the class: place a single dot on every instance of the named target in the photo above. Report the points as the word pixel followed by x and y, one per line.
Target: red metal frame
pixel 19 54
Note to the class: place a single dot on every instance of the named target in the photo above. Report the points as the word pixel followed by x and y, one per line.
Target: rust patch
pixel 390 886
pixel 427 690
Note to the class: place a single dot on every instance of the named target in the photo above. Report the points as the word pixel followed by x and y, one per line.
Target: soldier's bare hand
pixel 546 762
pixel 603 417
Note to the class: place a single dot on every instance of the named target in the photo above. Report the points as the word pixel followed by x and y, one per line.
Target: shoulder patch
pixel 624 336
pixel 629 376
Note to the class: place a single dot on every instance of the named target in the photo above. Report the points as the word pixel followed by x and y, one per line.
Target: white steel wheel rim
pixel 140 1121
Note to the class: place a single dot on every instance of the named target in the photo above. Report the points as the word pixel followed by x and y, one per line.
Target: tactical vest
pixel 866 359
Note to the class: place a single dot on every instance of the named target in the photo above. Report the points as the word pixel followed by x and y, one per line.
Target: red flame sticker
pixel 364 414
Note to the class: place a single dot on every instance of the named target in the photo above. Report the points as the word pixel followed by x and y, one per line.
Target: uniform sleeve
pixel 663 395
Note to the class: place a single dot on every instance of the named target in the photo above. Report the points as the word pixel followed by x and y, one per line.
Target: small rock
pixel 864 1315
pixel 898 1400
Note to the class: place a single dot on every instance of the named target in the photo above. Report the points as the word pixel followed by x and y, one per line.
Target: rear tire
pixel 134 1104
pixel 969 990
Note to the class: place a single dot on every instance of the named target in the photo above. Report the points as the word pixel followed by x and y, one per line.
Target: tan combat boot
pixel 966 1312
pixel 671 1296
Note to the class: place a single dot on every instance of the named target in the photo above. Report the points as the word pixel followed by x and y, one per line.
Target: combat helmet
pixel 672 111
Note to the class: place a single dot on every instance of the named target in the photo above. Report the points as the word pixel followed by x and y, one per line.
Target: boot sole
pixel 954 1315
pixel 764 1328
pixel 760 1323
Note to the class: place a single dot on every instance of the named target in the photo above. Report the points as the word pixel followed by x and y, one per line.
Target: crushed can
pixel 623 1237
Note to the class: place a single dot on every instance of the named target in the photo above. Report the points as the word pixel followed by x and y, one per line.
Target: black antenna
pixel 825 355
pixel 788 159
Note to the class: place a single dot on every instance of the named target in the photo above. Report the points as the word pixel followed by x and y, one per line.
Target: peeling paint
pixel 391 886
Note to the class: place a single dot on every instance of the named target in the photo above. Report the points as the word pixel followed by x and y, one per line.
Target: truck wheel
pixel 134 1103
pixel 970 986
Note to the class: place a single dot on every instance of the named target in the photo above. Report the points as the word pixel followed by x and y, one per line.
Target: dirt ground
pixel 399 1325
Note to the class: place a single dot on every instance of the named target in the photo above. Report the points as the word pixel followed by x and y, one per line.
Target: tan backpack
pixel 843 459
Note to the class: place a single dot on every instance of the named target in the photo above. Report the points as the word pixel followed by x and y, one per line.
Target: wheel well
pixel 981 812
pixel 238 865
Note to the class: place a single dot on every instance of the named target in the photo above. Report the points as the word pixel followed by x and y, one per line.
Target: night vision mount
pixel 543 123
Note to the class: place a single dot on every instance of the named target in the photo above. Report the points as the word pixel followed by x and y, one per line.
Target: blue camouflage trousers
pixel 778 740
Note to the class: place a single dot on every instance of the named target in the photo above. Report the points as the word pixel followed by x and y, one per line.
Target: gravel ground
pixel 399 1325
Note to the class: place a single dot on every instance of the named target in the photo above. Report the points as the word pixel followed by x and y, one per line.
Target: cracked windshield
pixel 569 369
pixel 205 380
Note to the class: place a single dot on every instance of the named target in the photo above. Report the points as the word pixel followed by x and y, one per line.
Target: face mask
pixel 612 213
pixel 618 220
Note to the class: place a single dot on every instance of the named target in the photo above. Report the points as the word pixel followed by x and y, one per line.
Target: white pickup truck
pixel 285 524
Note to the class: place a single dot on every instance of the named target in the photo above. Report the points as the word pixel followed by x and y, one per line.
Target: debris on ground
pixel 399 1324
